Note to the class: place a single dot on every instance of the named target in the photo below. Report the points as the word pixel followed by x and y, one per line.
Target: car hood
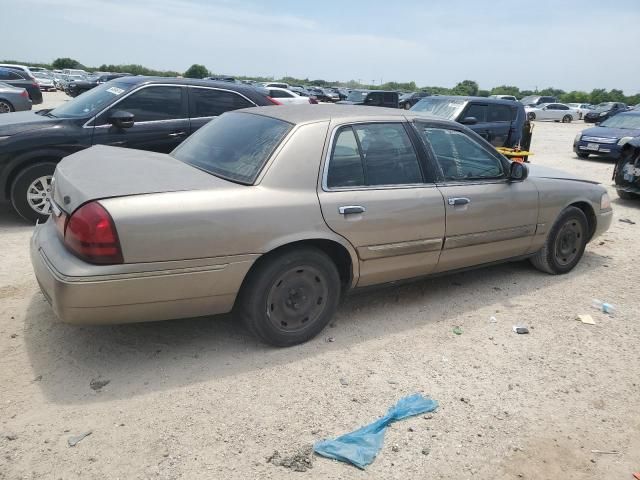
pixel 593 113
pixel 608 132
pixel 538 171
pixel 104 172
pixel 20 122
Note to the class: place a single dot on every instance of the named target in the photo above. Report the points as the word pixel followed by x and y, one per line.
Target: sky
pixel 570 44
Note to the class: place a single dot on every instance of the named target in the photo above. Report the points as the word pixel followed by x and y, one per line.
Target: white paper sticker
pixel 115 90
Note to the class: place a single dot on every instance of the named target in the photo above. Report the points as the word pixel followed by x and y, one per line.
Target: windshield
pixel 448 108
pixel 622 121
pixel 530 100
pixel 234 146
pixel 603 107
pixel 92 101
pixel 357 96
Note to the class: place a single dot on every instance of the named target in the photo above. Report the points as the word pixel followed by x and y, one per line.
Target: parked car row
pixel 21 79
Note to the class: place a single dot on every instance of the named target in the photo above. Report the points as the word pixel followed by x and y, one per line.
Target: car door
pixel 478 111
pixel 488 217
pixel 378 192
pixel 161 120
pixel 206 103
pixel 499 124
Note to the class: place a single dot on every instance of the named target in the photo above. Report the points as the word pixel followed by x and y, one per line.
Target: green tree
pixel 598 95
pixel 466 87
pixel 66 62
pixel 616 95
pixel 485 93
pixel 196 71
pixel 575 97
pixel 506 90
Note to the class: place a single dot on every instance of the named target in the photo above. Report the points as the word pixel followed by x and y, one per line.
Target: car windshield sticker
pixel 115 90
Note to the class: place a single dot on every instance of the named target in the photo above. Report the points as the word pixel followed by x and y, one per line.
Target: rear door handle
pixel 177 134
pixel 455 201
pixel 351 209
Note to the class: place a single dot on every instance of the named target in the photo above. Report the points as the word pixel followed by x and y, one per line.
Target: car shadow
pixel 140 358
pixel 633 203
pixel 10 219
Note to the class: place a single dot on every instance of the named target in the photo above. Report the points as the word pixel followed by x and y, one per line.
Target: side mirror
pixel 518 172
pixel 121 119
pixel 469 121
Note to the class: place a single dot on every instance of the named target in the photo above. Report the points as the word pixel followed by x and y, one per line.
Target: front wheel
pixel 31 192
pixel 567 119
pixel 565 244
pixel 531 116
pixel 5 106
pixel 290 296
pixel 583 156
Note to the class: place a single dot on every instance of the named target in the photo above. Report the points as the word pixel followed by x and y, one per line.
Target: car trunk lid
pixel 105 172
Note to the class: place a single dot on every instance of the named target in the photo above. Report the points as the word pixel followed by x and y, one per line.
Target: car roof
pixel 301 114
pixel 140 80
pixel 471 98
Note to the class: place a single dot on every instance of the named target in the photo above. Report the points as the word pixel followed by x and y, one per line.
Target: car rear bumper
pixel 146 295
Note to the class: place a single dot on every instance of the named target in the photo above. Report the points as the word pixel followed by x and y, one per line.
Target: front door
pixel 488 217
pixel 379 194
pixel 161 120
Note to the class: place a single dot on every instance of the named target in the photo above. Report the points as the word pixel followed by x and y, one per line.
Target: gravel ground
pixel 200 399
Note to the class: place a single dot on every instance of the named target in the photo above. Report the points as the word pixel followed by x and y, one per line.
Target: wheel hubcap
pixel 4 107
pixel 568 242
pixel 39 195
pixel 297 298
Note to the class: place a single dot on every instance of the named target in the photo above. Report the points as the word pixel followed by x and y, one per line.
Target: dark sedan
pixel 608 138
pixel 604 111
pixel 20 79
pixel 145 113
pixel 408 100
pixel 76 87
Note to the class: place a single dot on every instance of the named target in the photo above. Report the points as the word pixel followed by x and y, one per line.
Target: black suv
pixel 373 98
pixel 503 123
pixel 408 100
pixel 136 112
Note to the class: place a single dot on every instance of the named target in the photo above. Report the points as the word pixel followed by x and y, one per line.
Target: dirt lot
pixel 200 399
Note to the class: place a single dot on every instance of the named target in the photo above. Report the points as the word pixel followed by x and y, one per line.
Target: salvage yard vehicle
pixel 137 112
pixel 75 88
pixel 20 79
pixel 13 99
pixel 626 173
pixel 372 98
pixel 603 111
pixel 275 213
pixel 582 108
pixel 608 138
pixel 408 100
pixel 45 81
pixel 287 97
pixel 558 112
pixel 502 123
pixel 533 100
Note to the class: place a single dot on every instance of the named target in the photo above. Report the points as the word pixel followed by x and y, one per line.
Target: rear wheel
pixel 565 244
pixel 290 297
pixel 531 116
pixel 567 119
pixel 582 155
pixel 5 106
pixel 31 192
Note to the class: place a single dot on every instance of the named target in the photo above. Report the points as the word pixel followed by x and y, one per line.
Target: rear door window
pixel 498 113
pixel 209 102
pixel 345 168
pixel 479 112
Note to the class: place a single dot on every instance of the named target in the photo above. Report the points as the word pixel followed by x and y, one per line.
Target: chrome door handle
pixel 350 209
pixel 177 134
pixel 455 201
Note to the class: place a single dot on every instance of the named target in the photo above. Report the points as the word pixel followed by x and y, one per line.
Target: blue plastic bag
pixel 361 446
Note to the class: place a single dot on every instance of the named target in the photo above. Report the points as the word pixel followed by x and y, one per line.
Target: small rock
pixel 593 460
pixel 344 381
pixel 332 325
pixel 395 448
pixel 497 289
pixel 73 441
pixel 165 454
pixel 510 387
pixel 465 400
pixel 410 429
pixel 13 335
pixel 38 378
pixel 11 436
pixel 92 459
pixel 331 340
pixel 426 451
pixel 392 382
pixel 428 416
pixel 96 384
pixel 315 431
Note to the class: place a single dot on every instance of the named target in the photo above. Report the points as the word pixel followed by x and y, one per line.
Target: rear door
pixel 378 192
pixel 161 119
pixel 499 124
pixel 488 218
pixel 206 103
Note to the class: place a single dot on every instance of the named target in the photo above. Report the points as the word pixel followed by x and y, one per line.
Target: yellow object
pixel 514 154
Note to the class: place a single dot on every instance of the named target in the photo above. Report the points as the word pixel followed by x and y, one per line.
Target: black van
pixel 503 123
pixel 373 98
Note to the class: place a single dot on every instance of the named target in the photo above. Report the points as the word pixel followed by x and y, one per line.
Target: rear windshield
pixel 234 146
pixel 357 96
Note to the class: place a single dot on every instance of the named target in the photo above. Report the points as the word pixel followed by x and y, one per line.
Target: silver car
pixel 275 213
pixel 13 99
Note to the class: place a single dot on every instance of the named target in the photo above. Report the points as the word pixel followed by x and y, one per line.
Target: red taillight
pixel 313 101
pixel 24 94
pixel 274 101
pixel 92 236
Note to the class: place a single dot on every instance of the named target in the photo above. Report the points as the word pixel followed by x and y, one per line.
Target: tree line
pixel 466 87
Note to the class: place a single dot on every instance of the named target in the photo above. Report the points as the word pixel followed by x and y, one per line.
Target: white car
pixel 582 108
pixel 275 84
pixel 45 82
pixel 558 112
pixel 287 97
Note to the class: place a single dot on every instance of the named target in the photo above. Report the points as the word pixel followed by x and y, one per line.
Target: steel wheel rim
pixel 39 195
pixel 568 242
pixel 297 298
pixel 4 107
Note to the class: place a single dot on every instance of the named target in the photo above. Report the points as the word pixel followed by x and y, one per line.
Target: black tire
pixel 583 156
pixel 531 116
pixel 565 244
pixel 407 106
pixel 267 303
pixel 567 119
pixel 20 186
pixel 6 106
pixel 623 194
